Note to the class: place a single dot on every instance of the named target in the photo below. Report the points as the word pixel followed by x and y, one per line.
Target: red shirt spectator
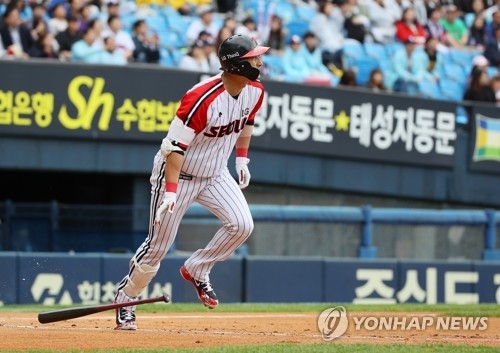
pixel 408 27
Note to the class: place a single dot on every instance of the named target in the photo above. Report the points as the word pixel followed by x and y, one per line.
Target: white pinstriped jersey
pixel 217 120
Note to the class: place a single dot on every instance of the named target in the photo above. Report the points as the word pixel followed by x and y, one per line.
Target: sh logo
pixel 332 323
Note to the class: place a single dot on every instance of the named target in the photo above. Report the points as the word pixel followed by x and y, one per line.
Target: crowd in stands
pixel 431 48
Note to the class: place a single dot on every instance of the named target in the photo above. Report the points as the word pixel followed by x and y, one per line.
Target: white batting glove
pixel 167 147
pixel 243 172
pixel 167 205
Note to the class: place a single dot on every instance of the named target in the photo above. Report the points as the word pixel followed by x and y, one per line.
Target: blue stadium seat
pixel 429 89
pixel 274 64
pixel 454 72
pixel 451 89
pixel 285 10
pixel 351 52
pixel 462 58
pixel 363 68
pixel 376 51
pixel 305 13
pixel 296 28
pixel 492 71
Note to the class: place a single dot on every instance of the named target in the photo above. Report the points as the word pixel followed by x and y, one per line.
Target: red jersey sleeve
pixel 251 117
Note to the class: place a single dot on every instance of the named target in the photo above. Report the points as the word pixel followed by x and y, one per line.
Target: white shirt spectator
pixel 382 19
pixel 327 30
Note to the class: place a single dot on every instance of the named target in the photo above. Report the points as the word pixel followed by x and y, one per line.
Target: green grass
pixel 312 348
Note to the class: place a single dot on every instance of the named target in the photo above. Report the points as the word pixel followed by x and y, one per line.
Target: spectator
pixel 39 29
pixel 480 89
pixel 454 27
pixel 67 38
pixel 348 78
pixel 110 55
pixel 248 28
pixel 477 9
pixel 85 16
pixel 354 24
pixel 112 9
pixel 39 14
pixel 227 30
pixel 376 81
pixel 45 47
pixel 195 59
pixel 98 27
pixel 409 67
pixel 210 51
pixel 382 20
pixel 277 34
pixel 491 25
pixel 204 22
pixel 492 51
pixel 495 86
pixel 312 54
pixel 408 26
pixel 84 50
pixel 58 22
pixel 328 25
pixel 491 9
pixel 123 40
pixel 477 34
pixel 295 66
pixel 25 11
pixel 433 63
pixel 433 27
pixel 75 7
pixel 146 45
pixel 16 37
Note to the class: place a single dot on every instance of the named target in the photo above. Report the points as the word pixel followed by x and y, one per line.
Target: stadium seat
pixel 462 58
pixel 492 71
pixel 296 28
pixel 352 51
pixel 429 89
pixel 363 68
pixel 274 65
pixel 376 51
pixel 451 89
pixel 454 72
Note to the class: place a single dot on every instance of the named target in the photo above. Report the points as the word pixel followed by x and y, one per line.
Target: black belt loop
pixel 185 176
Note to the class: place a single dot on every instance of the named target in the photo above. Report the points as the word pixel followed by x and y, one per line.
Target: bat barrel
pixel 73 313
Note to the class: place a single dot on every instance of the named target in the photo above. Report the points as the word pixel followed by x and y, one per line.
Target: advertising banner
pixel 485 139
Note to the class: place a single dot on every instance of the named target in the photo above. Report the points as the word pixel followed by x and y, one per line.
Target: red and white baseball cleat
pixel 204 290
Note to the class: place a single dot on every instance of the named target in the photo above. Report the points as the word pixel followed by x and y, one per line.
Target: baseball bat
pixel 72 313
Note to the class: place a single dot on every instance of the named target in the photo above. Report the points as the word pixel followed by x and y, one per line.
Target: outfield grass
pixel 308 348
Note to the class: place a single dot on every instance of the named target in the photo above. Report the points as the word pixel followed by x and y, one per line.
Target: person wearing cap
pixel 312 54
pixel 295 66
pixel 457 33
pixel 195 59
pixel 58 22
pixel 204 22
pixel 123 39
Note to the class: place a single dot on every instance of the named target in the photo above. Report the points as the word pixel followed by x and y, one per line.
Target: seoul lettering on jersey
pixel 234 126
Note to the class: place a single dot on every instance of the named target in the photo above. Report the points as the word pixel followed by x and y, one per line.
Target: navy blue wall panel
pixel 8 279
pixel 347 280
pixel 283 280
pixel 488 285
pixel 58 278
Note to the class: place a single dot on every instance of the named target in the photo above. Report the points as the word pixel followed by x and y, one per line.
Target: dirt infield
pixel 21 331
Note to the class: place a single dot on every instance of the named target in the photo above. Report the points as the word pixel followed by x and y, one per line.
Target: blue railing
pixel 73 217
pixel 368 216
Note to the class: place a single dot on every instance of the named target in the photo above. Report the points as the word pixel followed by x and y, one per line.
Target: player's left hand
pixel 243 172
pixel 167 205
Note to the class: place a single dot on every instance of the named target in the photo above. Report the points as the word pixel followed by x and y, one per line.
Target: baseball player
pixel 214 117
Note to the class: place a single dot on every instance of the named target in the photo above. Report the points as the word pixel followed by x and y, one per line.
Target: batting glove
pixel 243 172
pixel 167 205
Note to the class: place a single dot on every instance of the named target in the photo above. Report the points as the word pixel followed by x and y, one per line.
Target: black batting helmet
pixel 232 54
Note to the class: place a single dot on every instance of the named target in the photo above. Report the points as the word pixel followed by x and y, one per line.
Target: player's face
pixel 255 61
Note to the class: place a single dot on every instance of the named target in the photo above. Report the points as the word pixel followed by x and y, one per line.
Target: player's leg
pixel 146 262
pixel 224 198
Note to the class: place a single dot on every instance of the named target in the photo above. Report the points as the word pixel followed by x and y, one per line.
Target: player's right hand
pixel 167 205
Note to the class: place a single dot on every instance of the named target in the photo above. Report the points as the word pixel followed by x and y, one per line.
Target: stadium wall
pixel 47 278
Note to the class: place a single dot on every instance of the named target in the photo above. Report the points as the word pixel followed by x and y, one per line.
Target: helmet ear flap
pixel 244 68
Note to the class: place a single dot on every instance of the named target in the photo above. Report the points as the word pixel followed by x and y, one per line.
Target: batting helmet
pixel 232 54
